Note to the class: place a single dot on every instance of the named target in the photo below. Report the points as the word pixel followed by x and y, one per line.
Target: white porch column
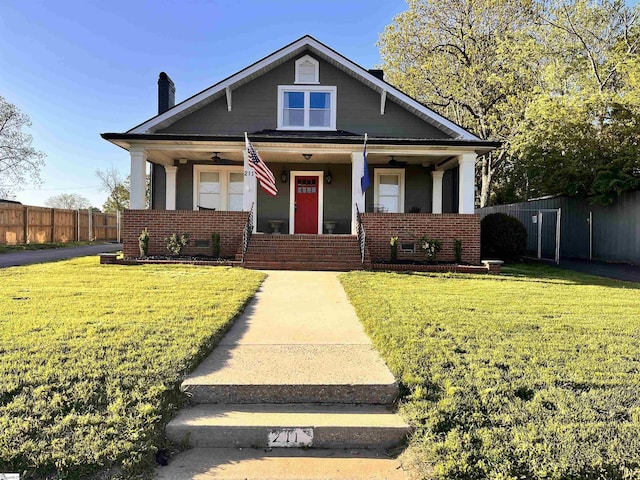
pixel 138 179
pixel 357 198
pixel 436 191
pixel 170 187
pixel 250 193
pixel 467 183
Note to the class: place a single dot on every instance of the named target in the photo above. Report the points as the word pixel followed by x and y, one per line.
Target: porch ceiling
pixel 171 157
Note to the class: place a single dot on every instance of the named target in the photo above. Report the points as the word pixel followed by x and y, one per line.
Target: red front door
pixel 306 206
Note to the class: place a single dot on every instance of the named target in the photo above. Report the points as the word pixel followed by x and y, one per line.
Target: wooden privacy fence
pixel 27 224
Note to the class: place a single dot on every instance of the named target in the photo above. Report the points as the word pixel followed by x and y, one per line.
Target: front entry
pixel 306 204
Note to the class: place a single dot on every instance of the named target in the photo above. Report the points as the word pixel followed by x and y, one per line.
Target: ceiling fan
pixel 396 163
pixel 223 161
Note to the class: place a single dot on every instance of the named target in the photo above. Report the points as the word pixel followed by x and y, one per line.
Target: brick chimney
pixel 377 73
pixel 166 93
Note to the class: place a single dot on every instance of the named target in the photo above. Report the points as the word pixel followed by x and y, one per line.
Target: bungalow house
pixel 306 110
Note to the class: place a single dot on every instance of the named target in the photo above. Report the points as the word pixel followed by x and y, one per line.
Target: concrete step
pixel 305 252
pixel 265 426
pixel 292 374
pixel 281 464
pixel 302 265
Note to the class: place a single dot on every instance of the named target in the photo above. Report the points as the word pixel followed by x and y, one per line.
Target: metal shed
pixel 588 231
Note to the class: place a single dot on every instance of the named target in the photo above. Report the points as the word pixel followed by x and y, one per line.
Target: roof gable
pixel 306 43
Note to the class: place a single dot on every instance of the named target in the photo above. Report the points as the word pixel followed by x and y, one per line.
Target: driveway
pixel 618 271
pixel 54 254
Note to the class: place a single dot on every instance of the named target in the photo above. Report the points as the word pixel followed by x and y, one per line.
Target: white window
pixel 306 108
pixel 307 70
pixel 389 190
pixel 217 187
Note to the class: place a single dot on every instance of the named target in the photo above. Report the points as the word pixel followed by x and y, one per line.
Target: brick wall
pixel 410 227
pixel 198 224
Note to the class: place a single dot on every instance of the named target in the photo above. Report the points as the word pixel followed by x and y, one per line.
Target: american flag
pixel 265 176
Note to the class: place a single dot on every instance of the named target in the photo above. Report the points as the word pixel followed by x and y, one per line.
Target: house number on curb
pixel 291 437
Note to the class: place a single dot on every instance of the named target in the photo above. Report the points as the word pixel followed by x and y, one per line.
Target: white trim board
pixel 271 61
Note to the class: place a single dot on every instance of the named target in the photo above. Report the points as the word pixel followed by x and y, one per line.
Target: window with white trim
pixel 218 187
pixel 389 190
pixel 306 107
pixel 307 70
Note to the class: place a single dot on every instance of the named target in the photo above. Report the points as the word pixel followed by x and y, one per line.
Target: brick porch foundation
pixel 410 227
pixel 198 224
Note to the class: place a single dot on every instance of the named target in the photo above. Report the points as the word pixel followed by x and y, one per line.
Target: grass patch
pixel 92 356
pixel 534 374
pixel 23 247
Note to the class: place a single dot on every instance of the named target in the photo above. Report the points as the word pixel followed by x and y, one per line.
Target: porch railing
pixel 246 234
pixel 362 235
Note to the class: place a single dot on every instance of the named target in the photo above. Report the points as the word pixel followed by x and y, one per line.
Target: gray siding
pixel 255 108
pixel 337 197
pixel 450 191
pixel 184 187
pixel 417 188
pixel 158 187
pixel 616 228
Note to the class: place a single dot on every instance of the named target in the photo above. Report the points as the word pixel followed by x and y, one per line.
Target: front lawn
pixel 534 374
pixel 92 356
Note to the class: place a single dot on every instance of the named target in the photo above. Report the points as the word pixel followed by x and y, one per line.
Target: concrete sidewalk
pixel 298 357
pixel 54 254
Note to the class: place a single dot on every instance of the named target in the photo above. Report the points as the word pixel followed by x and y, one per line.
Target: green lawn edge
pixel 25 247
pixel 89 384
pixel 532 374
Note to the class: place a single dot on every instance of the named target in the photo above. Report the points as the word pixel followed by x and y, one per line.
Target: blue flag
pixel 364 180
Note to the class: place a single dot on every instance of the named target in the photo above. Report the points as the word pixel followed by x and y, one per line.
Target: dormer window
pixel 311 107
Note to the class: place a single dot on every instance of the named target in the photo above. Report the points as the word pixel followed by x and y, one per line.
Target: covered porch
pixel 318 183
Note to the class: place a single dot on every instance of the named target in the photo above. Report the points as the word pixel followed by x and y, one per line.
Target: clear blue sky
pixel 84 67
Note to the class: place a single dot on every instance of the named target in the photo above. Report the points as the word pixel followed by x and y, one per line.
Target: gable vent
pixel 307 70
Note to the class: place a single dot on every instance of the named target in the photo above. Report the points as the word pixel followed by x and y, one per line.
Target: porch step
pixel 305 252
pixel 292 374
pixel 281 464
pixel 260 426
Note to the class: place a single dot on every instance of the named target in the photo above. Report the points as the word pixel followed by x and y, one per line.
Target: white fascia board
pixel 306 41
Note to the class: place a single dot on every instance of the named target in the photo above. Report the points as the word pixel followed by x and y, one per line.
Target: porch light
pixel 307 156
pixel 327 176
pixel 284 176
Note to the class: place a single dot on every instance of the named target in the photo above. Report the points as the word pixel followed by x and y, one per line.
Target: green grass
pixel 92 356
pixel 22 247
pixel 531 375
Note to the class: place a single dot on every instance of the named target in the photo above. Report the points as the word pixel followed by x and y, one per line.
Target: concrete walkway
pixel 55 254
pixel 298 357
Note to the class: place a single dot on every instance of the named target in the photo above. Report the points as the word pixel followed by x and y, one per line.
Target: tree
pixel 118 188
pixel 473 61
pixel 581 133
pixel 112 181
pixel 69 201
pixel 18 159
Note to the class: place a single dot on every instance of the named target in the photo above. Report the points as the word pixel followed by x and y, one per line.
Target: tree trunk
pixel 486 178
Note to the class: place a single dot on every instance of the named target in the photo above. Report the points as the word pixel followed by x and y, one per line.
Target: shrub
pixel 503 237
pixel 215 244
pixel 430 247
pixel 176 243
pixel 457 250
pixel 394 248
pixel 143 242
